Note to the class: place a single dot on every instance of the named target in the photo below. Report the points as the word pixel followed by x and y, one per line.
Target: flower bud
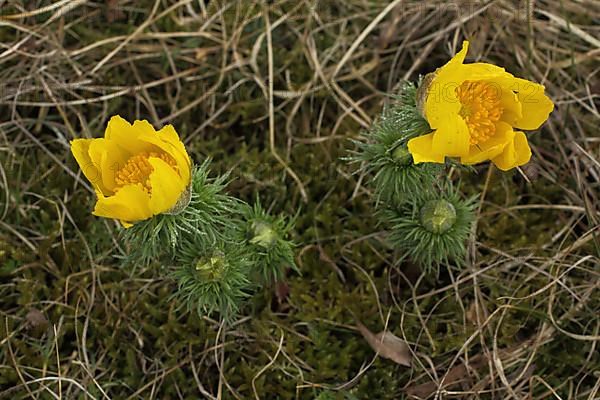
pixel 402 156
pixel 211 268
pixel 438 216
pixel 263 234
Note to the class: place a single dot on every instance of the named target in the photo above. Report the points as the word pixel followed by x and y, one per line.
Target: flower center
pixel 137 170
pixel 481 109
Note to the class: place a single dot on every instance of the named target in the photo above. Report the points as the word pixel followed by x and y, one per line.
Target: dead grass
pixel 274 90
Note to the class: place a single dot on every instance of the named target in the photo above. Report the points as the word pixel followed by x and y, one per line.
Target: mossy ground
pixel 74 324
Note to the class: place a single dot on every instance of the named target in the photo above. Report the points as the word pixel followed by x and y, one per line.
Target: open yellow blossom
pixel 136 171
pixel 472 110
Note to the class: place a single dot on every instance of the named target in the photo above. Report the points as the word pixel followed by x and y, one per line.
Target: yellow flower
pixel 472 110
pixel 136 171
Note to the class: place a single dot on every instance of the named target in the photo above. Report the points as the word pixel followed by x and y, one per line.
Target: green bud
pixel 211 268
pixel 402 156
pixel 263 234
pixel 438 216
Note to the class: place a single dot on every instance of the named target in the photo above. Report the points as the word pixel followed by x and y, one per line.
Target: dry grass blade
pixel 454 376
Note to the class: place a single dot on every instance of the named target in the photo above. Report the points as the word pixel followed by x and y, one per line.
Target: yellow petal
pixel 126 136
pixel 169 134
pixel 173 148
pixel 536 105
pixel 421 150
pixel 481 71
pixel 167 186
pixel 441 100
pixel 451 137
pixel 459 58
pixel 111 158
pixel 522 148
pixel 513 110
pixel 491 147
pixel 143 126
pixel 507 159
pixel 80 149
pixel 130 203
pixel 441 94
pixel 516 153
pixel 448 73
pixel 441 104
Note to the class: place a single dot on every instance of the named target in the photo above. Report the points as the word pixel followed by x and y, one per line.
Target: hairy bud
pixel 263 234
pixel 438 216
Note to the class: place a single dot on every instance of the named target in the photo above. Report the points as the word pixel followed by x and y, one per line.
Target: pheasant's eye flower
pixel 137 172
pixel 472 110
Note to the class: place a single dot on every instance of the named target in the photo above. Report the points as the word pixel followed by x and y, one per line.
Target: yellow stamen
pixel 481 109
pixel 137 170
